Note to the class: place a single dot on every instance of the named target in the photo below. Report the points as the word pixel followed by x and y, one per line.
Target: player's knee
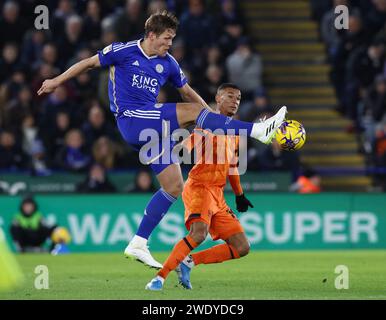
pixel 243 248
pixel 175 188
pixel 199 235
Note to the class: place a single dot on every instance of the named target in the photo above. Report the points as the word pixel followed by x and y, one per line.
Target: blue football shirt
pixel 135 78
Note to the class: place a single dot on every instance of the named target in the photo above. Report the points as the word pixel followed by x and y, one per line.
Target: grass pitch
pixel 260 275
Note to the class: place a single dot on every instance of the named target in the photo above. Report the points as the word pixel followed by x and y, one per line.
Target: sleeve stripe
pixel 124 47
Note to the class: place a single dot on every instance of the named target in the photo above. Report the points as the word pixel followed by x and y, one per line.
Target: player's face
pixel 163 42
pixel 228 101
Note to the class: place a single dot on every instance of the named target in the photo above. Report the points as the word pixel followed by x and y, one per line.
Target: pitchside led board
pixel 278 221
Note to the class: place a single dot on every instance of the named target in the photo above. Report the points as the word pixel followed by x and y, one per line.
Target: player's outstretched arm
pixel 189 95
pixel 50 85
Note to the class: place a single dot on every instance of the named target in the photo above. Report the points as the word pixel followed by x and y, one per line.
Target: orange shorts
pixel 207 204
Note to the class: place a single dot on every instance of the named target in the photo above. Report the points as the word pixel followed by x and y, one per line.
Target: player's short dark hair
pixel 161 21
pixel 226 86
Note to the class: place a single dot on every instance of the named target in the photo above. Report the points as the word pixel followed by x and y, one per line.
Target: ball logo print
pixel 291 135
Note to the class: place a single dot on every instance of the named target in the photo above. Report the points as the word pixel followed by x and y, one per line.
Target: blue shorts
pixel 147 128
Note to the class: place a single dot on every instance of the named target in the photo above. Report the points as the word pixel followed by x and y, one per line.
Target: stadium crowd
pixel 358 59
pixel 72 129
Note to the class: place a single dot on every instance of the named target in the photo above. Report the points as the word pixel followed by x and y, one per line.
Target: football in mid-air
pixel 291 135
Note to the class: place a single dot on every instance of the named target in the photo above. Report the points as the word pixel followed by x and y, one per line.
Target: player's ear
pixel 151 35
pixel 217 98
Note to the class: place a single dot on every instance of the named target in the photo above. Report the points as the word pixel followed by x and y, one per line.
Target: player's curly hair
pixel 161 21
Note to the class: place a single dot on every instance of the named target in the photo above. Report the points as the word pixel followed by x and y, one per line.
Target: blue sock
pixel 157 207
pixel 213 121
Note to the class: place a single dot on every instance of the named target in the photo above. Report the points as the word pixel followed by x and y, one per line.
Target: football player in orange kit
pixel 203 196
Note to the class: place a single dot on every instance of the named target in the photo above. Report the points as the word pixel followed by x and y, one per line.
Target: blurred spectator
pixel 38 165
pixel 56 102
pixel 156 6
pixel 129 24
pixel 214 56
pixel 29 230
pixel 92 21
pixel 73 156
pixel 32 46
pixel 49 55
pixel 373 114
pixel 143 182
pixel 375 16
pixel 214 76
pixel 309 182
pixel 198 31
pixel 11 155
pixel 245 68
pixel 15 82
pixel 232 27
pixel 107 153
pixel 362 67
pixel 18 108
pixel 63 11
pixel 54 139
pixel 72 39
pixel 29 133
pixel 12 25
pixel 45 71
pixel 96 181
pixel 33 146
pixel 9 60
pixel 355 37
pixel 96 126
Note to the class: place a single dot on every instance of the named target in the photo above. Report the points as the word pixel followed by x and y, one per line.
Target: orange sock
pixel 180 251
pixel 216 254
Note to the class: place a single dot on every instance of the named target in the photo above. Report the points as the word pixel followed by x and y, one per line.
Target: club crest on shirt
pixel 159 68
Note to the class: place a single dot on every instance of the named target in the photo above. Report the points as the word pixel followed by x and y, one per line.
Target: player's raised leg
pixel 194 113
pixel 170 179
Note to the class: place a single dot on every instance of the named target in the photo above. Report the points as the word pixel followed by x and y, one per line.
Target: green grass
pixel 260 275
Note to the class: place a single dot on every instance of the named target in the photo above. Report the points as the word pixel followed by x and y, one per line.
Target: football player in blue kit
pixel 138 69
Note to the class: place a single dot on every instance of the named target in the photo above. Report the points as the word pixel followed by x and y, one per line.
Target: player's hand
pixel 243 203
pixel 48 86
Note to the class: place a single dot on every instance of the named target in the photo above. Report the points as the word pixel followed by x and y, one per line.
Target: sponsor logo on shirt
pixel 143 82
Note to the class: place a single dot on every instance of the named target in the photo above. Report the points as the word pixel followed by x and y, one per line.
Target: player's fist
pixel 243 203
pixel 48 86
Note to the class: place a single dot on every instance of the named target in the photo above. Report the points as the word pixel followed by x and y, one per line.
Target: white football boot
pixel 265 131
pixel 138 250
